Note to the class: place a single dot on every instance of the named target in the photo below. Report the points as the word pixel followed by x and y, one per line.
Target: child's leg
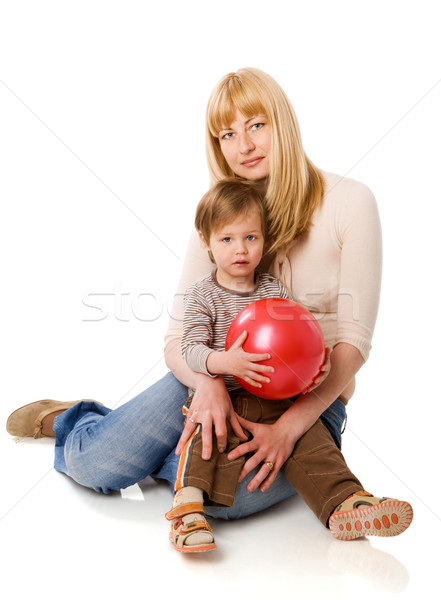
pixel 218 476
pixel 318 471
pixel 321 476
pixel 190 531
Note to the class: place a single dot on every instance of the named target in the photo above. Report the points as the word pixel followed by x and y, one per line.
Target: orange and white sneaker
pixel 363 514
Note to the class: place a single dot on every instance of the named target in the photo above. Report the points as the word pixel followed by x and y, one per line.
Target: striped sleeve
pixel 197 331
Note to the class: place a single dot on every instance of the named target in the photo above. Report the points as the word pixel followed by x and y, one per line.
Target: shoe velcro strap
pixel 194 526
pixel 184 509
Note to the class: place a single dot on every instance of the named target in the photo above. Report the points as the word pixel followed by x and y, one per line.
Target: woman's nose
pixel 246 144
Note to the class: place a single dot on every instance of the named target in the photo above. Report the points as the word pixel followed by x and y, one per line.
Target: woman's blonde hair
pixel 228 200
pixel 295 186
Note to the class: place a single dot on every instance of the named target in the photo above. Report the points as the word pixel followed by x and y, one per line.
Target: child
pixel 231 222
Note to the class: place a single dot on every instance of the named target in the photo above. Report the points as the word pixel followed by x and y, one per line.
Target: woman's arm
pixel 275 443
pixel 346 361
pixel 178 366
pixel 211 404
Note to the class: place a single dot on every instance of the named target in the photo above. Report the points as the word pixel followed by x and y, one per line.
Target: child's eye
pixel 250 238
pixel 226 239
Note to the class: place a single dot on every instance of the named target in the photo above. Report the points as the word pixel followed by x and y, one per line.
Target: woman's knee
pixel 114 451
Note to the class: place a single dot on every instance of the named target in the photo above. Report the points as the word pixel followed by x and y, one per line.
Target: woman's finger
pixel 249 466
pixel 261 474
pixel 185 436
pixel 220 429
pixel 241 450
pixel 236 427
pixel 207 439
pixel 326 366
pixel 268 481
pixel 324 372
pixel 245 424
pixel 265 471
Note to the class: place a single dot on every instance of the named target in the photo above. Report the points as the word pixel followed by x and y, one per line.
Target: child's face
pixel 237 249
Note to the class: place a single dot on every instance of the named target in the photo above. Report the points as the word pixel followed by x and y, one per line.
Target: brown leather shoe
pixel 27 421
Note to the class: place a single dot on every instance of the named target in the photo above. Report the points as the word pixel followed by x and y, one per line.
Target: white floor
pixel 56 535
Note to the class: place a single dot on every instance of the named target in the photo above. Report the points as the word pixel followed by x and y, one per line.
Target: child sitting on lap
pixel 230 219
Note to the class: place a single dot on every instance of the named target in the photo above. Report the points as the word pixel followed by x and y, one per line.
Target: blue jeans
pixel 108 450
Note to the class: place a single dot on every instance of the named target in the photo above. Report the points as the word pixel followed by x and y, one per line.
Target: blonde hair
pixel 227 200
pixel 295 186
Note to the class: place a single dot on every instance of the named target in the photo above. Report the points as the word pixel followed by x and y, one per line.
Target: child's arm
pixel 197 330
pixel 242 364
pixel 196 345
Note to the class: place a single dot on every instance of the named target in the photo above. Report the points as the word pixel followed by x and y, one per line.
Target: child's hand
pixel 241 364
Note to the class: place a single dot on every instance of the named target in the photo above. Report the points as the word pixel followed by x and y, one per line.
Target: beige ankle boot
pixel 27 421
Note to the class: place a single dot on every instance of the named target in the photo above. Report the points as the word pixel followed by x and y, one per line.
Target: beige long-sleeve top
pixel 334 270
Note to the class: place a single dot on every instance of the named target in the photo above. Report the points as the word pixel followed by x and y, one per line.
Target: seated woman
pixel 326 250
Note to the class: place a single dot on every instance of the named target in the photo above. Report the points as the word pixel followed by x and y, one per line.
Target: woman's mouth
pixel 252 162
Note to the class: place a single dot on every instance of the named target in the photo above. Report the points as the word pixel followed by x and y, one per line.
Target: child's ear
pixel 206 246
pixel 201 237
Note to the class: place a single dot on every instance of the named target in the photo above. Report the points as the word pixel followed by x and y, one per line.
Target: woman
pixel 326 249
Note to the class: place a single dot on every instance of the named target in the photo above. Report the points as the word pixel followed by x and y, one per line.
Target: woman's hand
pixel 211 407
pixel 324 372
pixel 270 444
pixel 236 361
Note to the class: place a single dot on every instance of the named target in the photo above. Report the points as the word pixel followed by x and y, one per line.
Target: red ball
pixel 292 336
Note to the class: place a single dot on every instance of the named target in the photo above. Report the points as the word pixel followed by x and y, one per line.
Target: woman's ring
pixel 192 420
pixel 270 465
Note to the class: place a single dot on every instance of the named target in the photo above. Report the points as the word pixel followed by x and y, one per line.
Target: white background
pixel 102 163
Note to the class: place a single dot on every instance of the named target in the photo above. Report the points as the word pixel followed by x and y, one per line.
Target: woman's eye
pixel 227 136
pixel 257 126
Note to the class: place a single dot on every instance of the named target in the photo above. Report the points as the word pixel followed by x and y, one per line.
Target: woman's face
pixel 246 145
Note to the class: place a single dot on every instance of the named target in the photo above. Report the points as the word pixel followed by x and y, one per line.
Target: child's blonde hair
pixel 295 185
pixel 227 200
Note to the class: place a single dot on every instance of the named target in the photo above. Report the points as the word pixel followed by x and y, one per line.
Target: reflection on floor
pixel 118 544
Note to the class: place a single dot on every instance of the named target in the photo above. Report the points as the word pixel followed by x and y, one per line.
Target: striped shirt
pixel 209 312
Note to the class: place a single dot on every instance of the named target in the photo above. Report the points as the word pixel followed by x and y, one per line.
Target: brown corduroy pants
pixel 316 469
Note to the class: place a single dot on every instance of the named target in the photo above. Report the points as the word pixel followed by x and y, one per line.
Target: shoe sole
pixel 385 520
